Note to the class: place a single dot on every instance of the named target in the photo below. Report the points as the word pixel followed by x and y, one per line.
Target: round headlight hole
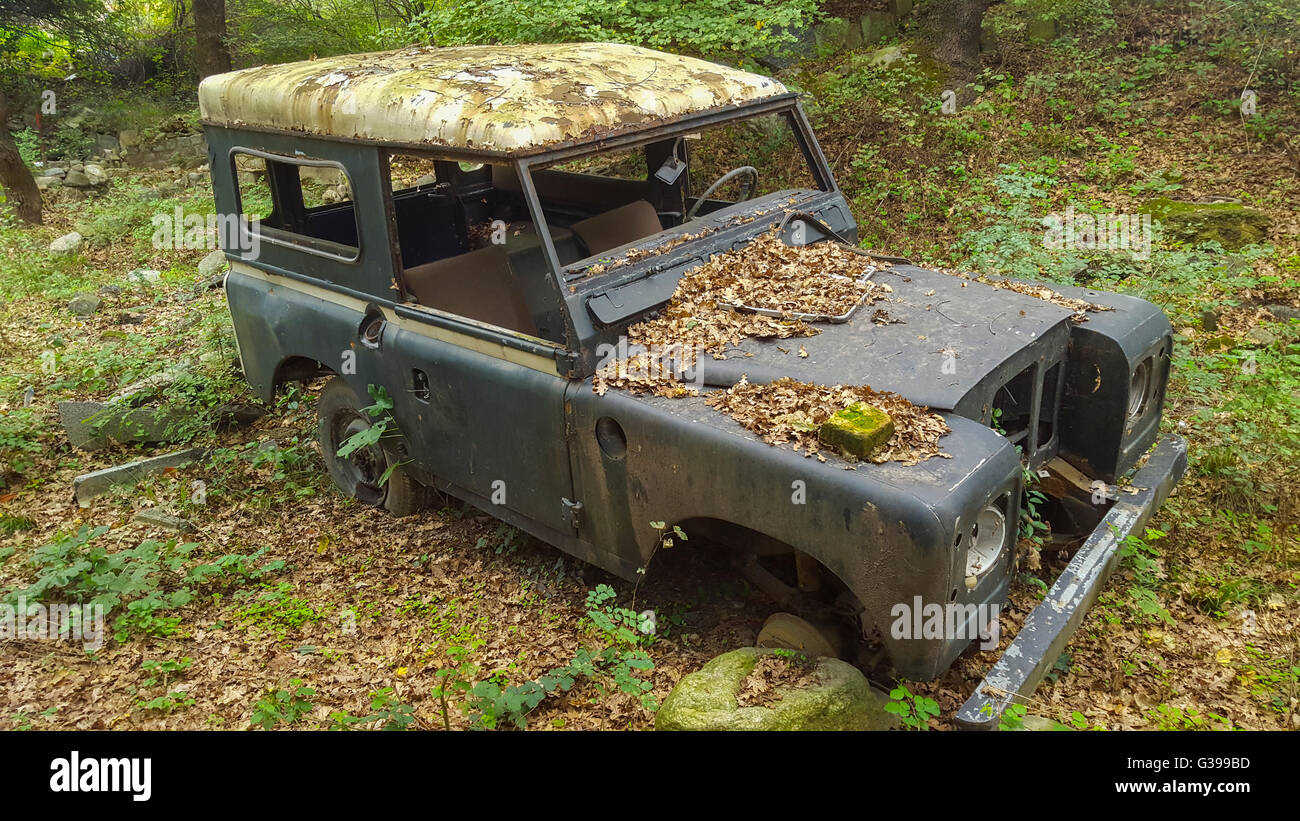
pixel 611 438
pixel 1139 389
pixel 988 537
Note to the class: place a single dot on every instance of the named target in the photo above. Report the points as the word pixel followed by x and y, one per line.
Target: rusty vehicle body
pixel 488 351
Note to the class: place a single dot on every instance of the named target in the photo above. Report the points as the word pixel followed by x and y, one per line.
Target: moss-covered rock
pixel 1032 723
pixel 1230 224
pixel 857 430
pixel 841 699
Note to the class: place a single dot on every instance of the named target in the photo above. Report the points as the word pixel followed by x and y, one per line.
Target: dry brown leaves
pixel 658 372
pixel 770 675
pixel 1080 307
pixel 813 279
pixel 767 274
pixel 790 412
pixel 1240 321
pixel 637 254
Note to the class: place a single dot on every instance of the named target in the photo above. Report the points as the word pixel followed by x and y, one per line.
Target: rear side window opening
pixel 299 202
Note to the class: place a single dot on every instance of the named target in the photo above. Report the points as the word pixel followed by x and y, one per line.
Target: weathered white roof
pixel 491 98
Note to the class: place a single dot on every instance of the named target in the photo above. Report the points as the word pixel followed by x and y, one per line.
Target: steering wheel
pixel 751 185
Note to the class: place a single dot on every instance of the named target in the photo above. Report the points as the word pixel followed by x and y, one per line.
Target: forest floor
pixel 317 610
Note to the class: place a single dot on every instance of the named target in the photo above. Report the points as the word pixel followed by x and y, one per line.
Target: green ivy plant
pixel 914 711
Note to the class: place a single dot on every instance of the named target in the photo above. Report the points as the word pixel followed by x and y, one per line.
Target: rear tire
pixel 339 415
pixel 793 633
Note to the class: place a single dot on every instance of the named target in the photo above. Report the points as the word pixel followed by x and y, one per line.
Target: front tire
pixel 339 415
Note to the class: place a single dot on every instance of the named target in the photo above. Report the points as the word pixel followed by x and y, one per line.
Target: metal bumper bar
pixel 1051 624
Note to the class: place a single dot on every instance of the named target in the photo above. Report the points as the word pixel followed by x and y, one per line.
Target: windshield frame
pixel 786 105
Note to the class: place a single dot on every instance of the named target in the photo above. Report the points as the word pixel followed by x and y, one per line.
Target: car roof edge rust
pixel 511 100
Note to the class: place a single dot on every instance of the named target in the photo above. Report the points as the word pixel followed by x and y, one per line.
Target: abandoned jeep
pixel 461 239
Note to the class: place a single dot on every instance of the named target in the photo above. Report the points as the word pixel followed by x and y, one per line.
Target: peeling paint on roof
pixel 507 99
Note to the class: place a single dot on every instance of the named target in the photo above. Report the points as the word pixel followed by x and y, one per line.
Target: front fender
pixel 887 531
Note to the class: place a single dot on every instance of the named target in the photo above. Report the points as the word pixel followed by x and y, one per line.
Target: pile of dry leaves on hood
pixel 790 412
pixel 824 278
pixel 1081 307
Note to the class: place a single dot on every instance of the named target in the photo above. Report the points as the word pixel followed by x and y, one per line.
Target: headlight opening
pixel 1139 389
pixel 986 538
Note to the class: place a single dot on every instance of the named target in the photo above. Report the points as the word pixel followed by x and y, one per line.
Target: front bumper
pixel 1050 625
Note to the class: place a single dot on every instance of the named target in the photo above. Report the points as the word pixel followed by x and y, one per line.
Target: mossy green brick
pixel 858 430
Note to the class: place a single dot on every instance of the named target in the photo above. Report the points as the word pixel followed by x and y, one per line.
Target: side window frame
pixel 286 196
pixel 368 278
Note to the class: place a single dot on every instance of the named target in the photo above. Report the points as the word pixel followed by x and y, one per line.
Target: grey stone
pixel 155 517
pixel 97 483
pixel 887 56
pixel 56 171
pixel 1032 723
pixel 1284 313
pixel 94 425
pixel 76 166
pixel 1042 30
pixel 77 179
pixel 96 174
pixel 238 415
pixel 212 263
pixel 1074 269
pixel 1261 337
pixel 427 179
pixel 836 34
pixel 46 183
pixel 876 26
pixel 84 304
pixel 841 699
pixel 109 290
pixel 66 244
pixel 129 138
pixel 147 275
pixel 107 142
pixel 142 390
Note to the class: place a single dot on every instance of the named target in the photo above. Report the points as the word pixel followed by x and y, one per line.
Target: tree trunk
pixel 952 28
pixel 210 53
pixel 17 181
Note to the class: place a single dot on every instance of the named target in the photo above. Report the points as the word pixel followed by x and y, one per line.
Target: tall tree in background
pixel 76 22
pixel 952 29
pixel 211 55
pixel 17 181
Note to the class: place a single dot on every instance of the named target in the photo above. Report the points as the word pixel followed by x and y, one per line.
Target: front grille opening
pixel 1013 406
pixel 1048 409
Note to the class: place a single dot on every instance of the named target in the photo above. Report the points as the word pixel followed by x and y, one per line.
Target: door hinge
pixel 573 512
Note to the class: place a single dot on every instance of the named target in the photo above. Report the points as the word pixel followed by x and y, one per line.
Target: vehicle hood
pixel 946 336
